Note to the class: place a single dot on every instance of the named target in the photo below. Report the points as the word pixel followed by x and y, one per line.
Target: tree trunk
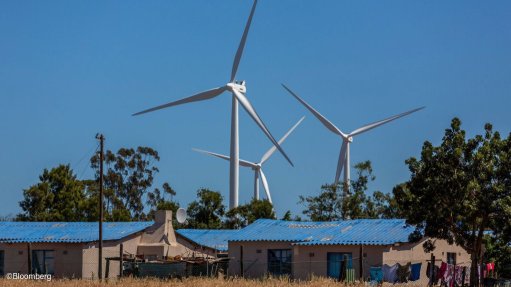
pixel 473 269
pixel 476 256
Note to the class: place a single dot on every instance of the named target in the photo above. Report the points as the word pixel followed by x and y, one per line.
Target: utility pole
pixel 101 139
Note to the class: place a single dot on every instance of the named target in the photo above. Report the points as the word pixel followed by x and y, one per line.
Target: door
pixel 334 260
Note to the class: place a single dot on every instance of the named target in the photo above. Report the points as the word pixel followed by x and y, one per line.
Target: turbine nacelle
pixel 256 166
pixel 344 155
pixel 238 86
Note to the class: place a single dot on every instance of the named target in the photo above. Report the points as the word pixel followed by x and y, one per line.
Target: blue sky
pixel 71 69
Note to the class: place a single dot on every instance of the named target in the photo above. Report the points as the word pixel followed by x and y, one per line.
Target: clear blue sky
pixel 70 69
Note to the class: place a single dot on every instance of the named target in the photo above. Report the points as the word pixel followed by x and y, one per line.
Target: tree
pixel 459 189
pixel 498 251
pixel 288 217
pixel 244 215
pixel 324 207
pixel 350 204
pixel 207 211
pixel 128 177
pixel 158 201
pixel 57 197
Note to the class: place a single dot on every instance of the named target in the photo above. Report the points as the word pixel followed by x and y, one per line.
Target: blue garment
pixel 376 274
pixel 390 273
pixel 416 272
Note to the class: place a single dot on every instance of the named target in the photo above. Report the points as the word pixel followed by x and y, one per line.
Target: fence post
pixel 361 265
pixel 241 261
pixel 121 259
pixel 29 251
pixel 107 269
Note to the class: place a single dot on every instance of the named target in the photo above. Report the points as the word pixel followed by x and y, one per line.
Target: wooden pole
pixel 241 261
pixel 107 270
pixel 29 251
pixel 432 270
pixel 121 259
pixel 361 265
pixel 101 139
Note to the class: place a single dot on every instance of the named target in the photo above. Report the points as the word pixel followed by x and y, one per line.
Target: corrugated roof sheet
pixel 347 232
pixel 212 238
pixel 71 232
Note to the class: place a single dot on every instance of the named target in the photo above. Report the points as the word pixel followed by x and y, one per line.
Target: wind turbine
pixel 257 166
pixel 344 155
pixel 238 91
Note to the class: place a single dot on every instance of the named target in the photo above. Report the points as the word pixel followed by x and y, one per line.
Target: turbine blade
pixel 241 161
pixel 320 117
pixel 241 46
pixel 265 185
pixel 251 111
pixel 379 123
pixel 268 154
pixel 197 97
pixel 212 153
pixel 340 163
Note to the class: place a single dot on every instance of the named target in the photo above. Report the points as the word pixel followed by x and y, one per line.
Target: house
pixel 213 242
pixel 70 249
pixel 305 249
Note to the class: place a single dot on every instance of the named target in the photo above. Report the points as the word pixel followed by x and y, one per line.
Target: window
pixel 43 261
pixel 1 263
pixel 279 261
pixel 334 260
pixel 451 258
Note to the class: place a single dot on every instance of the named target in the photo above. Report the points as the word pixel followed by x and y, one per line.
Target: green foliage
pixel 498 251
pixel 288 217
pixel 459 189
pixel 157 200
pixel 332 204
pixel 324 207
pixel 207 211
pixel 244 215
pixel 128 176
pixel 57 197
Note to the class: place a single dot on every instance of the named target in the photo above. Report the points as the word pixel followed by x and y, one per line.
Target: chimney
pixel 163 216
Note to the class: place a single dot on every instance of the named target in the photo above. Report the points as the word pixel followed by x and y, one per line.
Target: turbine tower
pixel 344 155
pixel 257 166
pixel 238 91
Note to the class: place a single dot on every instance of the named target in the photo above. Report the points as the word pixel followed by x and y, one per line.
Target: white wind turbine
pixel 238 90
pixel 257 166
pixel 344 155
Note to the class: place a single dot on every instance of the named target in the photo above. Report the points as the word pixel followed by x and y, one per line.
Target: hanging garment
pixel 415 273
pixel 446 270
pixel 490 267
pixel 390 273
pixel 467 275
pixel 376 274
pixel 449 275
pixel 442 271
pixel 403 272
pixel 436 270
pixel 458 275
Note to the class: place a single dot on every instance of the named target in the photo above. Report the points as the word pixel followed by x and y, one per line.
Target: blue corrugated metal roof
pixel 347 232
pixel 72 232
pixel 212 238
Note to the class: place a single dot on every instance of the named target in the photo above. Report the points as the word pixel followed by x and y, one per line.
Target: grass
pixel 188 282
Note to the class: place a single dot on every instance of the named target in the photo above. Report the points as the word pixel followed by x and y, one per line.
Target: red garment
pixel 490 267
pixel 443 269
